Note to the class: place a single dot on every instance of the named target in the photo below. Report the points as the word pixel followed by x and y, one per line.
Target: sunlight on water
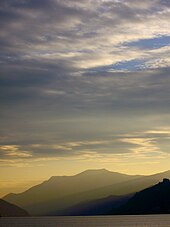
pixel 95 221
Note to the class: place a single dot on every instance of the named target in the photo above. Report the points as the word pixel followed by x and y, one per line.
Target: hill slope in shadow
pixel 104 206
pixel 152 200
pixel 10 210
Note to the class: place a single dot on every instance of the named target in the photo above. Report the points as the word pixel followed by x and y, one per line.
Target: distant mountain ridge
pixel 61 193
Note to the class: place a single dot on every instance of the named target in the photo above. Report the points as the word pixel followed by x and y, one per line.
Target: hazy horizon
pixel 84 85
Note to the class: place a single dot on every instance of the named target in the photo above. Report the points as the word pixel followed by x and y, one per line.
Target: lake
pixel 90 221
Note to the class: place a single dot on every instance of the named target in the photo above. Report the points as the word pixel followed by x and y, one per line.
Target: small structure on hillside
pixel 166 180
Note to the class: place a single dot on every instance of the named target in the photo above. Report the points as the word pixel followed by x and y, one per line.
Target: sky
pixel 84 85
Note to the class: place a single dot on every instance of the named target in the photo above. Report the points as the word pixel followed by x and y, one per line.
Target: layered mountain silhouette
pixel 153 200
pixel 61 192
pixel 10 210
pixel 59 195
pixel 105 206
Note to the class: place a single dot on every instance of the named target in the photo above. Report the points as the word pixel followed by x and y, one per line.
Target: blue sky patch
pixel 152 43
pixel 132 65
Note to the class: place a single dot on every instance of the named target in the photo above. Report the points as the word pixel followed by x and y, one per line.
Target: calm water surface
pixel 93 221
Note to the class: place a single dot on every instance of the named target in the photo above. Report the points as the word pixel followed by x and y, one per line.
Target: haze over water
pixel 95 221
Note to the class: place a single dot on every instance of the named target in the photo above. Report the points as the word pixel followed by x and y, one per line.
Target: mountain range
pixel 62 195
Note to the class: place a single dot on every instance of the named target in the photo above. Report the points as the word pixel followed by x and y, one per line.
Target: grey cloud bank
pixel 59 83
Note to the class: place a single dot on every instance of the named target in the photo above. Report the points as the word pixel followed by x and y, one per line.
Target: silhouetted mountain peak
pixel 86 172
pixel 94 171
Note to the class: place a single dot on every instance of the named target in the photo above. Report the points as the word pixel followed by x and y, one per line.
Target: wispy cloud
pixel 14 151
pixel 118 148
pixel 142 145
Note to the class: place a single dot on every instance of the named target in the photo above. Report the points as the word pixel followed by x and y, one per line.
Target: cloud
pixel 149 143
pixel 160 132
pixel 116 148
pixel 72 72
pixel 142 145
pixel 81 34
pixel 13 151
